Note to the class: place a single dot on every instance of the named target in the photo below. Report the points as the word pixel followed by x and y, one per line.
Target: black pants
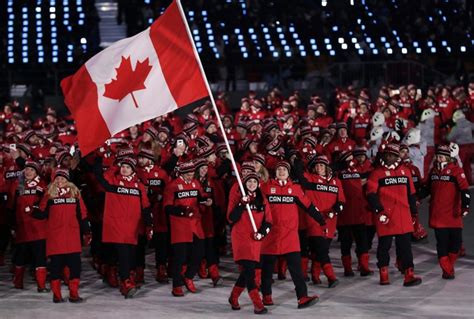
pixel 304 245
pixel 58 262
pixel 4 238
pixel 124 254
pixel 403 243
pixel 319 247
pixel 96 243
pixel 448 240
pixel 247 275
pixel 139 260
pixel 210 252
pixel 350 233
pixel 162 244
pixel 294 266
pixel 189 253
pixel 371 231
pixel 36 249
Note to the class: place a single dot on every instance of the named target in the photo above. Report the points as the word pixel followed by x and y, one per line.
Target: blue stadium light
pixel 10 29
pixel 303 53
pixel 430 18
pixel 52 16
pixel 383 39
pixel 271 47
pixel 359 21
pixel 360 51
pixel 340 40
pixel 208 25
pixel 312 41
pixel 332 53
pixel 25 29
pixel 240 37
pixel 251 30
pixel 10 10
pixel 328 47
pixel 418 50
pixel 354 40
pixel 326 40
pixel 10 48
pixel 283 42
pixel 267 36
pixel 371 45
pixel 10 54
pixel 298 41
pixel 52 9
pixel 400 45
pixel 415 44
pixel 269 43
pixel 24 41
pixel 430 44
pixel 82 15
pixel 357 46
pixel 369 14
pixel 66 9
pixel 243 49
pixel 25 48
pixel 295 35
pixel 253 36
pixel 10 35
pixel 314 47
pixel 198 44
pixel 344 46
pixel 317 53
pixel 11 16
pixel 362 27
pixel 463 48
pixel 335 28
pixel 449 49
pixel 195 32
pixel 25 60
pixel 433 50
pixel 191 13
pixel 444 43
pixel 288 54
pixel 265 30
pixel 404 51
pixel 225 37
pixel 80 22
pixel 387 45
pixel 211 38
pixel 55 60
pixel 291 29
pixel 375 51
pixel 279 30
pixel 324 3
pixel 38 16
pixel 25 16
pixel 10 23
pixel 281 36
pixel 40 35
pixel 245 55
pixel 10 41
pixel 204 13
pixel 24 54
pixel 241 43
pixel 301 47
pixel 11 60
pixel 368 39
pixel 275 54
pixel 41 53
pixel 212 44
pixel 83 41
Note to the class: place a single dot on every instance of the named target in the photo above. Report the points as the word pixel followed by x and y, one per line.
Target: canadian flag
pixel 134 80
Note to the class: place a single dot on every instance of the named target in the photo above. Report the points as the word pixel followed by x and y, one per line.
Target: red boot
pixel 161 275
pixel 177 291
pixel 56 288
pixel 267 300
pixel 258 277
pixel 282 268
pixel 329 272
pixel 74 291
pixel 347 264
pixel 462 251
pixel 140 276
pixel 214 274
pixel 189 283
pixel 127 288
pixel 112 277
pixel 258 307
pixel 384 276
pixel 447 267
pixel 202 272
pixel 18 275
pixel 364 265
pixel 315 272
pixel 103 270
pixel 304 267
pixel 41 279
pixel 452 258
pixel 410 279
pixel 66 274
pixel 234 297
pixel 305 302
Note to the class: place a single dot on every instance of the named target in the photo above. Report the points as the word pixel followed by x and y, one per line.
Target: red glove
pixel 189 212
pixel 86 239
pixel 245 200
pixel 149 232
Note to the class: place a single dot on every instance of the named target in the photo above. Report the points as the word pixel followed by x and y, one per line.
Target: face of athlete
pixel 30 173
pixel 188 176
pixel 66 162
pixel 258 166
pixel 342 132
pixel 360 158
pixel 126 170
pixel 390 158
pixel 203 170
pixel 60 181
pixel 251 185
pixel 441 158
pixel 146 137
pixel 143 161
pixel 212 158
pixel 404 154
pixel 320 169
pixel 282 173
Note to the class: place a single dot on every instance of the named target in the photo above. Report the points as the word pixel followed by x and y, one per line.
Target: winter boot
pixel 202 272
pixel 364 265
pixel 329 272
pixel 410 279
pixel 66 274
pixel 74 291
pixel 56 288
pixel 258 277
pixel 234 297
pixel 315 272
pixel 140 276
pixel 305 302
pixel 462 251
pixel 267 300
pixel 258 307
pixel 282 268
pixel 41 279
pixel 189 283
pixel 304 267
pixel 452 258
pixel 103 270
pixel 161 275
pixel 112 277
pixel 347 264
pixel 127 288
pixel 177 291
pixel 215 276
pixel 384 276
pixel 447 267
pixel 18 275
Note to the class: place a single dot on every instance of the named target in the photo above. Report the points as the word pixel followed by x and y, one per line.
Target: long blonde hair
pixel 53 189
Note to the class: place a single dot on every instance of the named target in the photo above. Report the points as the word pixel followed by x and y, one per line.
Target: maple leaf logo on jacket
pixel 127 80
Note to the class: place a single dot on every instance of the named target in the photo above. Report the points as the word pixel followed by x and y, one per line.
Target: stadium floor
pixel 353 297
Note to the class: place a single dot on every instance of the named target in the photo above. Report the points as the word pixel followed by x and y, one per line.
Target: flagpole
pixel 213 102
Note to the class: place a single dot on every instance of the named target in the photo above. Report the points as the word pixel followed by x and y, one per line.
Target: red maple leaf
pixel 127 80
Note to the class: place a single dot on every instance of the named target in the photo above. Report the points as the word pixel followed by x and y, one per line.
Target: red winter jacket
pixel 449 188
pixel 156 179
pixel 27 228
pixel 64 217
pixel 178 195
pixel 125 204
pixel 391 191
pixel 360 126
pixel 207 213
pixel 285 199
pixel 244 247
